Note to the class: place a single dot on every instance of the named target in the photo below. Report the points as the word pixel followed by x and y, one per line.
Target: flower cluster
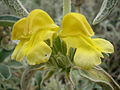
pixel 32 31
pixel 75 31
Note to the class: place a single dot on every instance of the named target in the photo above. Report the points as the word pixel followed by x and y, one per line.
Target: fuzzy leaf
pixel 9 17
pixel 38 77
pixel 27 75
pixel 105 10
pixel 3 54
pixel 14 64
pixel 8 20
pixel 5 72
pixel 101 77
pixel 17 7
pixel 47 76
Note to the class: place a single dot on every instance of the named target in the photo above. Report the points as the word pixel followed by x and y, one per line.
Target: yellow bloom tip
pixel 74 24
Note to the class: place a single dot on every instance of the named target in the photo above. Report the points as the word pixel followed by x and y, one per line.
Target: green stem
pixel 66 6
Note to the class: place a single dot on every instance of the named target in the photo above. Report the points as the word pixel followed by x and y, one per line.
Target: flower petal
pixel 36 49
pixel 19 30
pixel 78 41
pixel 17 52
pixel 40 53
pixel 42 35
pixel 104 45
pixel 87 57
pixel 39 19
pixel 73 42
pixel 75 24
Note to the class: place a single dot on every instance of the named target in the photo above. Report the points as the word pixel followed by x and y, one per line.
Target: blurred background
pixel 108 29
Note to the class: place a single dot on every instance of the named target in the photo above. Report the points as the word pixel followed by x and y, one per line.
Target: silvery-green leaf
pixel 9 17
pixel 6 23
pixel 14 64
pixel 106 8
pixel 101 77
pixel 5 71
pixel 8 20
pixel 38 77
pixel 83 83
pixel 17 7
pixel 27 75
pixel 47 76
pixel 4 53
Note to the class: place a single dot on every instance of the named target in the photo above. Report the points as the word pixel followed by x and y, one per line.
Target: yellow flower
pixel 77 33
pixel 32 31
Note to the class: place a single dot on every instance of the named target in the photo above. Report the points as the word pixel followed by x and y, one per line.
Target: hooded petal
pixel 73 42
pixel 87 57
pixel 36 20
pixel 104 45
pixel 39 19
pixel 40 53
pixel 19 30
pixel 75 24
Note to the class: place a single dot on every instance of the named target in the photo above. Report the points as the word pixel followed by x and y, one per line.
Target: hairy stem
pixel 66 6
